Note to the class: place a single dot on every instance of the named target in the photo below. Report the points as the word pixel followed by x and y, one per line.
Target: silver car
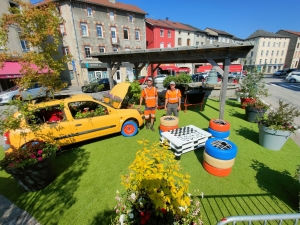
pixel 23 93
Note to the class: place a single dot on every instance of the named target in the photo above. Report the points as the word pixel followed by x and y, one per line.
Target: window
pixel 62 29
pixel 169 45
pixel 99 31
pixel 270 61
pixel 169 33
pixel 275 61
pixel 251 53
pixel 188 42
pixel 130 18
pixel 260 61
pixel 219 39
pixel 101 49
pixel 161 45
pixel 66 51
pixel 179 41
pixel 274 44
pixel 272 53
pixel 223 39
pixel 263 44
pixel 283 44
pixel 282 53
pixel 84 29
pixel 87 109
pixel 126 36
pixel 89 12
pixel 279 44
pixel 24 45
pixel 51 114
pixel 277 53
pixel 111 16
pixel 227 40
pixel 87 51
pixel 127 49
pixel 267 52
pixel 262 53
pixel 115 49
pixel 137 35
pixel 197 43
pixel 265 61
pixel 161 32
pixel 269 44
pixel 298 45
pixel 280 60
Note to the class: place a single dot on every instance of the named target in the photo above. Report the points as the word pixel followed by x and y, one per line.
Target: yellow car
pixel 75 118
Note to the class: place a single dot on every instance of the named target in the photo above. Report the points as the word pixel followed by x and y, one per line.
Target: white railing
pixel 279 217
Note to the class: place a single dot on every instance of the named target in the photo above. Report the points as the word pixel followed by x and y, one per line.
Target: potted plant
pixel 156 191
pixel 252 87
pixel 116 101
pixel 107 96
pixel 31 164
pixel 277 127
pixel 255 110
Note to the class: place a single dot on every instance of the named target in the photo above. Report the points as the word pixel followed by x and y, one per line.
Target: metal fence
pixel 295 217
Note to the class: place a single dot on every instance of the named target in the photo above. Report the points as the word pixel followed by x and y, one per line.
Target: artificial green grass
pixel 261 181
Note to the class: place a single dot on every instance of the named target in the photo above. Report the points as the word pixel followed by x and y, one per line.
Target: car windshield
pixel 13 88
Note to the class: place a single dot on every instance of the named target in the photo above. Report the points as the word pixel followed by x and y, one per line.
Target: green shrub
pixel 182 78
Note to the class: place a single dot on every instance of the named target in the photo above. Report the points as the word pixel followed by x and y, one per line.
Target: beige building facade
pixel 99 27
pixel 270 50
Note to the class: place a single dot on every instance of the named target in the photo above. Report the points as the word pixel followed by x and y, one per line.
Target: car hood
pixel 120 90
pixel 8 93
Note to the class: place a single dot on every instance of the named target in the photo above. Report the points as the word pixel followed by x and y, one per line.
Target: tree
pixel 39 27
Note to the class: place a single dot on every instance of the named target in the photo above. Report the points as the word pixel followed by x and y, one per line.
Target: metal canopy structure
pixel 213 54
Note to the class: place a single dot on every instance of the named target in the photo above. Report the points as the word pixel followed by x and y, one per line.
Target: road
pixel 279 88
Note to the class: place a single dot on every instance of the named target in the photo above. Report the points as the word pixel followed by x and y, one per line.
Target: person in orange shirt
pixel 149 93
pixel 173 100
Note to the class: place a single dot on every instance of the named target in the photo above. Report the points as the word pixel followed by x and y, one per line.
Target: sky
pixel 238 17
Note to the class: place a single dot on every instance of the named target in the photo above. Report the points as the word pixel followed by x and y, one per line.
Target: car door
pixel 91 119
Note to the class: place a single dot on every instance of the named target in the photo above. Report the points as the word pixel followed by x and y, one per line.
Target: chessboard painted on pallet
pixel 184 139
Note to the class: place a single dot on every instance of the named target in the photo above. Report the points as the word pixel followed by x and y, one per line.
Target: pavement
pixel 12 215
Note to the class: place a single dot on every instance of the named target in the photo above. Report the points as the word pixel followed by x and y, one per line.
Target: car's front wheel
pixel 292 80
pixel 84 89
pixel 129 128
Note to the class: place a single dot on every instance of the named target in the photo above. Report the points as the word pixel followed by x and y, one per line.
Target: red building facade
pixel 159 35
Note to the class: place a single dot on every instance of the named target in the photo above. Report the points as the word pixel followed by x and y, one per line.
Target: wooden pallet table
pixel 184 139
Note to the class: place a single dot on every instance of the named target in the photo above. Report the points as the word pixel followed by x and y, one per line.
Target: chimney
pixel 167 18
pixel 112 1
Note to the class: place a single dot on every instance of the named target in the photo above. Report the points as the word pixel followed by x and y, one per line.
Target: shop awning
pixel 182 69
pixel 12 70
pixel 173 68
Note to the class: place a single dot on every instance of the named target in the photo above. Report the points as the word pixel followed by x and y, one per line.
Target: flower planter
pixel 115 104
pixel 253 115
pixel 34 177
pixel 272 139
pixel 106 100
pixel 246 100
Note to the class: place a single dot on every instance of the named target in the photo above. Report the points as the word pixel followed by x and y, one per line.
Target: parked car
pixel 280 73
pixel 76 118
pixel 198 77
pixel 141 79
pixel 294 76
pixel 94 87
pixel 235 75
pixel 31 92
pixel 290 70
pixel 159 79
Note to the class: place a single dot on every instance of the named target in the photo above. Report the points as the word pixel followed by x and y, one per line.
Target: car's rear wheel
pixel 292 80
pixel 17 97
pixel 129 128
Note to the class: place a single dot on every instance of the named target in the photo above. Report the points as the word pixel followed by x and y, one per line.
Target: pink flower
pixel 40 158
pixel 40 152
pixel 11 165
pixel 33 156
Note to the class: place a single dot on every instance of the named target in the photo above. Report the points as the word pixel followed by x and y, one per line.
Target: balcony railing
pixel 115 41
